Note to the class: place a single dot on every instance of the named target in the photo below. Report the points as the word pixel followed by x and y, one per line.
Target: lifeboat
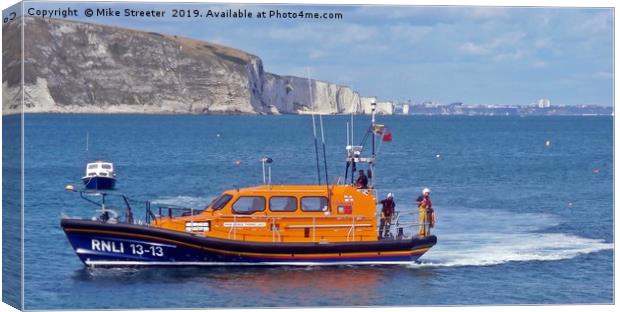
pixel 323 224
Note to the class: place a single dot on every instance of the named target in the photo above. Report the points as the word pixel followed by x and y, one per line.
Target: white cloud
pixel 507 40
pixel 324 34
pixel 316 54
pixel 487 12
pixel 412 33
pixel 539 64
pixel 511 56
pixel 595 23
pixel 541 43
pixel 603 75
pixel 507 46
pixel 472 48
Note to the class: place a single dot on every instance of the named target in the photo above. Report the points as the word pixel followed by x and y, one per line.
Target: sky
pixel 474 55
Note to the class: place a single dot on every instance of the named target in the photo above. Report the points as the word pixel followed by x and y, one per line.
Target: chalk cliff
pixel 77 67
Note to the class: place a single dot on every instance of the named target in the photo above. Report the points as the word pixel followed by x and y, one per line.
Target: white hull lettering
pixel 119 247
pixel 197 226
pixel 244 224
pixel 107 246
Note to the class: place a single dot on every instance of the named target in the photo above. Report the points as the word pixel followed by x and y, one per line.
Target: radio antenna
pixel 316 145
pixel 324 155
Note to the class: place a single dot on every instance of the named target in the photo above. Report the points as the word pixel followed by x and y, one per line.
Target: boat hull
pixel 105 244
pixel 99 183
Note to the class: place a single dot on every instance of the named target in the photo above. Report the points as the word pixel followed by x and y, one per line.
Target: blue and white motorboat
pixel 100 175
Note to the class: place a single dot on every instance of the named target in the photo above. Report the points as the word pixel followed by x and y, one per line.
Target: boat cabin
pixel 281 213
pixel 100 169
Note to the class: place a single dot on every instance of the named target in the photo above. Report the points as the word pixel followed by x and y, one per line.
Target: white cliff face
pixel 385 108
pixel 87 68
pixel 348 101
pixel 365 103
pixel 294 95
pixel 382 108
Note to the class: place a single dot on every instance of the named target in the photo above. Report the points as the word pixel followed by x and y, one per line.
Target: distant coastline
pixel 460 109
pixel 490 113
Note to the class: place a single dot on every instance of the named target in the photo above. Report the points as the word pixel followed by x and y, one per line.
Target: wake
pixel 469 237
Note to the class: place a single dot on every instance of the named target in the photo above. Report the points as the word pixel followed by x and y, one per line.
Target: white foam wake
pixel 483 237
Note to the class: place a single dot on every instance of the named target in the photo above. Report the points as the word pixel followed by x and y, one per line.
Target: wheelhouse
pixel 100 169
pixel 291 213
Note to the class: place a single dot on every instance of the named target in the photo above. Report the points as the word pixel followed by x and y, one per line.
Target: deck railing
pixel 406 224
pixel 299 222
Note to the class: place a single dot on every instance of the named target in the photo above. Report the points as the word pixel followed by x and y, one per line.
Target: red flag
pixel 387 136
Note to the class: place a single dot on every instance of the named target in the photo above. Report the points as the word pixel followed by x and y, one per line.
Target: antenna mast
pixel 371 164
pixel 324 155
pixel 316 146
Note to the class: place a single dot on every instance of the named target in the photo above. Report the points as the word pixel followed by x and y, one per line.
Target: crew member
pixel 362 180
pixel 427 214
pixel 387 212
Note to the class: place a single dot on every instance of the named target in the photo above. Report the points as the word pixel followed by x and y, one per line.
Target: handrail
pixel 241 216
pixel 301 226
pixel 277 236
pixel 278 233
pixel 351 229
pixel 313 229
pixel 233 228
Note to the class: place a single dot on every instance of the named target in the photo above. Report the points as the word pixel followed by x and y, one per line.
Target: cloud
pixel 511 56
pixel 431 15
pixel 476 49
pixel 506 47
pixel 507 40
pixel 602 75
pixel 316 54
pixel 487 12
pixel 411 33
pixel 541 43
pixel 595 23
pixel 324 33
pixel 539 64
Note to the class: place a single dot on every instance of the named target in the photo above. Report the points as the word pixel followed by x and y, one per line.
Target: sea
pixel 524 207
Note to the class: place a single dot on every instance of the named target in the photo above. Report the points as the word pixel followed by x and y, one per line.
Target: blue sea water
pixel 519 222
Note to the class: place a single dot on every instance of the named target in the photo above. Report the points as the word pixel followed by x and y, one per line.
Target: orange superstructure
pixel 283 213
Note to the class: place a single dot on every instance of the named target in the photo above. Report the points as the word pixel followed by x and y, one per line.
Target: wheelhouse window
pixel 314 203
pixel 106 166
pixel 283 203
pixel 249 204
pixel 220 201
pixel 92 166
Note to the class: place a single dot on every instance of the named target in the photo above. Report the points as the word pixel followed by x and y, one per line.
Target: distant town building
pixel 544 103
pixel 541 108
